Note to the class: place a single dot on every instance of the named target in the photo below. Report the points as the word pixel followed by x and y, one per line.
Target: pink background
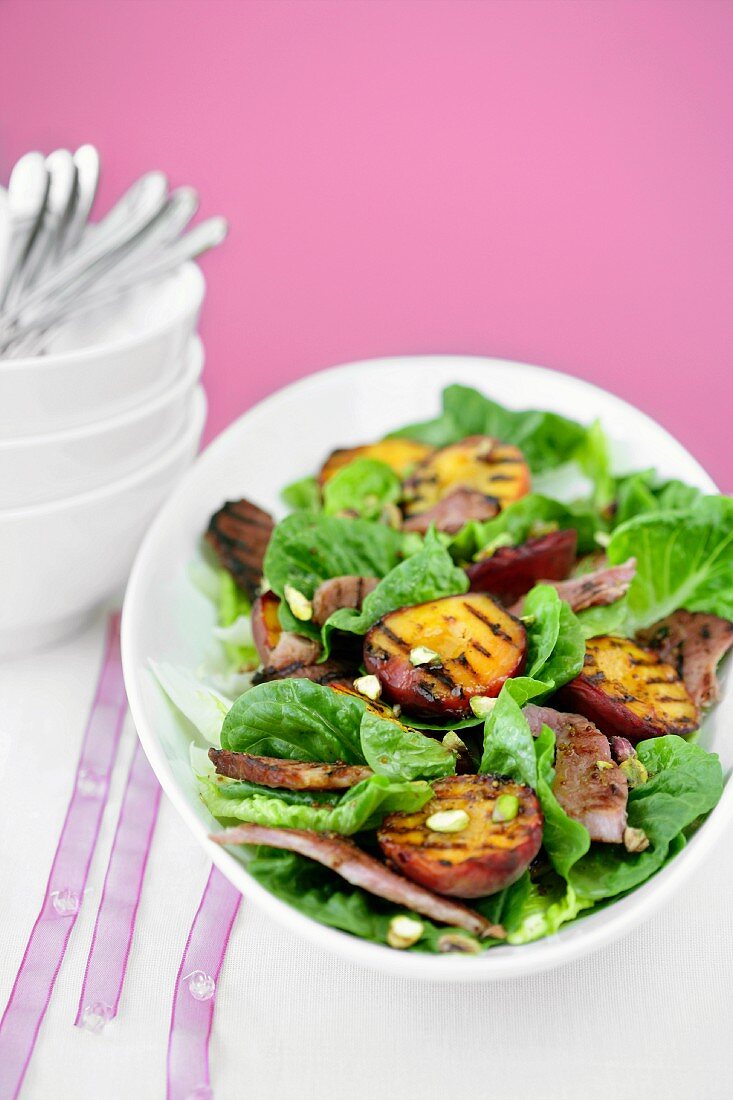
pixel 546 181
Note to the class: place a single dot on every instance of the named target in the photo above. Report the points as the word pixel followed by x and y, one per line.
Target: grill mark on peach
pixel 395 637
pixel 493 627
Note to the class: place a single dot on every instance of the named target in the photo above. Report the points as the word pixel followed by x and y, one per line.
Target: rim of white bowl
pixel 192 277
pixel 193 427
pixel 192 371
pixel 542 955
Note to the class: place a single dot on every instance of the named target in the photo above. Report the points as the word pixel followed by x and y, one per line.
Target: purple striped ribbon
pixel 123 883
pixel 46 945
pixel 193 997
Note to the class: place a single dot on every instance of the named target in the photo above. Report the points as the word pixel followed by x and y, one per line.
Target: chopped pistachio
pixel 635 840
pixel 457 942
pixel 404 931
pixel 368 686
pixel 448 821
pixel 392 516
pixel 453 743
pixel 481 706
pixel 542 527
pixel 422 655
pixel 602 538
pixel 397 710
pixel 299 604
pixel 506 808
pixel 488 551
pixel 635 772
pixel 603 765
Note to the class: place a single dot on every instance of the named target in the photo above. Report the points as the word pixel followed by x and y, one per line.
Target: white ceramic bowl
pixel 59 561
pixel 285 437
pixel 43 468
pixel 104 363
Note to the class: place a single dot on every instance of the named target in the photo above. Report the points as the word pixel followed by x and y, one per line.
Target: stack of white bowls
pixel 93 436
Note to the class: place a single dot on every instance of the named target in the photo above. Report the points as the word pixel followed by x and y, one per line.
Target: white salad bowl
pixel 286 437
pixel 104 362
pixel 59 561
pixel 43 468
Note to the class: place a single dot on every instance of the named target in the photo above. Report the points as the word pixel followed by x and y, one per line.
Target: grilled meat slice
pixel 342 856
pixel 332 673
pixel 278 649
pixel 337 592
pixel 511 571
pixel 621 748
pixel 293 649
pixel 294 775
pixel 239 533
pixel 452 512
pixel 591 794
pixel 596 589
pixel 693 642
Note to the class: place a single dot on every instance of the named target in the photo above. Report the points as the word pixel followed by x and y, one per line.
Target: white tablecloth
pixel 647 1017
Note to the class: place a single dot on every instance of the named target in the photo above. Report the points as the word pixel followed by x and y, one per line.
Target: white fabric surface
pixel 647 1017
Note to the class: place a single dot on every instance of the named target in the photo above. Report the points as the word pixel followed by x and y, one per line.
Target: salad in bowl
pixel 454 695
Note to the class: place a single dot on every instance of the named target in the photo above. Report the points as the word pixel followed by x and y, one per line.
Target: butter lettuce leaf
pixel 362 807
pixel 296 720
pixel 307 549
pixel 532 515
pixel 364 486
pixel 426 575
pixel 684 559
pixel 684 783
pixel 399 752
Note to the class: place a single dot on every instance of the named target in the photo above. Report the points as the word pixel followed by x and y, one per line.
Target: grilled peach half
pixel 399 454
pixel 475 644
pixel 490 852
pixel 478 462
pixel 627 690
pixel 513 570
pixel 266 628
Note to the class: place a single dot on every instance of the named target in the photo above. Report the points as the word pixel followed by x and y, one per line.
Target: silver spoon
pixel 203 237
pixel 86 159
pixel 27 192
pixel 137 208
pixel 59 204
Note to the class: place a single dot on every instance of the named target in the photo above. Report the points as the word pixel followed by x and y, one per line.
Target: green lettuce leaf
pixel 555 642
pixel 548 904
pixel 364 486
pixel 565 840
pixel 529 516
pixel 427 575
pixel 362 807
pixel 546 438
pixel 640 493
pixel 296 720
pixel 303 495
pixel 203 707
pixel 684 559
pixel 399 752
pixel 508 742
pixel 684 783
pixel 307 549
pixel 323 896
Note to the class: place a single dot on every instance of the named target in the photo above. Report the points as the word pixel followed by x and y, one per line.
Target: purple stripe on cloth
pixel 45 949
pixel 193 997
pixel 123 883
